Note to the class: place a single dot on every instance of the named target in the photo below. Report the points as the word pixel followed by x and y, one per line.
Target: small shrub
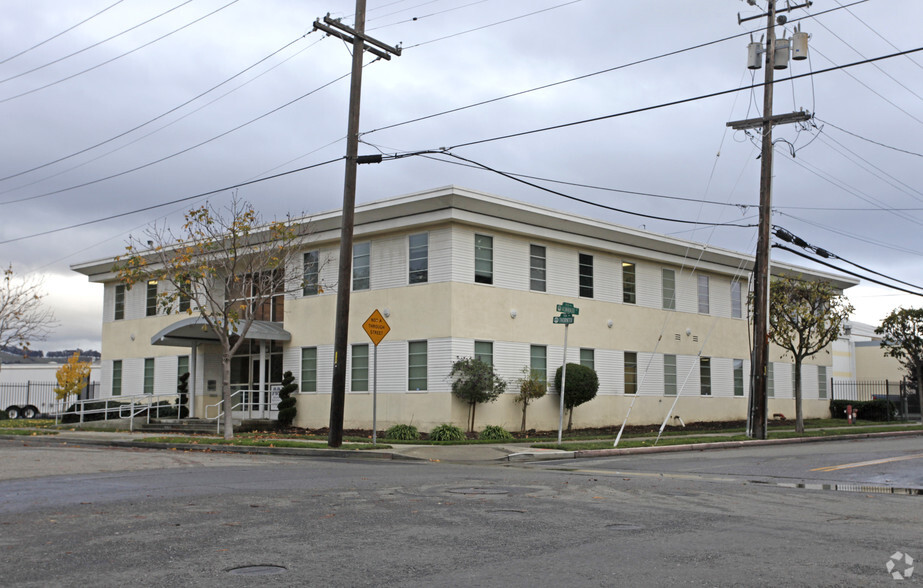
pixel 494 433
pixel 402 433
pixel 3 415
pixel 287 405
pixel 447 432
pixel 868 410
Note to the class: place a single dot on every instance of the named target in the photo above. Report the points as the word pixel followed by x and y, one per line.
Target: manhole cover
pixel 259 570
pixel 480 491
pixel 624 527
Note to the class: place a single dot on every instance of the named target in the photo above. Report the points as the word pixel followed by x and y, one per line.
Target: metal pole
pixel 375 396
pixel 563 384
pixel 344 281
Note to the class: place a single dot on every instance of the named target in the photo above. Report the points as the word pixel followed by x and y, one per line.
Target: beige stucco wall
pixel 872 364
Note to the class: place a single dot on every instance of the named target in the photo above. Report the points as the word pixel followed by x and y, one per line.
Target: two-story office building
pixel 461 273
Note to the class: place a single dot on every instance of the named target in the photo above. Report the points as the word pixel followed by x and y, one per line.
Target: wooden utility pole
pixel 344 280
pixel 760 354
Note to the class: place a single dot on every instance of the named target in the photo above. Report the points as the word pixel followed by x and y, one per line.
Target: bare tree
pixel 226 266
pixel 804 318
pixel 23 319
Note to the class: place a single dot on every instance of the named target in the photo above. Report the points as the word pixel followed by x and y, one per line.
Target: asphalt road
pixel 108 517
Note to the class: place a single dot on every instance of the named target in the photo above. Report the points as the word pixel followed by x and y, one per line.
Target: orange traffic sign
pixel 376 327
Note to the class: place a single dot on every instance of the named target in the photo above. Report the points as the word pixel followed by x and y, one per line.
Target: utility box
pixel 799 46
pixel 754 55
pixel 781 56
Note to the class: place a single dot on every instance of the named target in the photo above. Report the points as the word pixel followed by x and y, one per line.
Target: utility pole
pixel 760 355
pixel 344 281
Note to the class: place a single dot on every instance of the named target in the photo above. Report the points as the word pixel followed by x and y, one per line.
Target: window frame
pixel 150 304
pixel 412 355
pixel 704 375
pixel 770 380
pixel 149 381
pixel 669 374
pixel 420 275
pixel 310 275
pixel 629 282
pixel 702 293
pixel 822 382
pixel 585 275
pixel 309 357
pixel 483 257
pixel 359 367
pixel 489 354
pixel 630 372
pixel 362 260
pixel 538 273
pixel 668 302
pixel 736 300
pixel 119 303
pixel 540 372
pixel 116 377
pixel 588 357
pixel 738 377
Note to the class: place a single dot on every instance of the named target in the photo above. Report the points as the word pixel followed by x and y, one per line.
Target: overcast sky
pixel 854 185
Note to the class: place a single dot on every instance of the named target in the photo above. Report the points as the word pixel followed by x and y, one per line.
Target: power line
pixel 848 235
pixel 170 203
pixel 869 140
pixel 159 116
pixel 108 61
pixel 67 30
pixel 421 17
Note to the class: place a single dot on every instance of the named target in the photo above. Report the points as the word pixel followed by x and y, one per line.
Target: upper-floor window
pixel 184 299
pixel 629 295
pixel 416 365
pixel 631 372
pixel 362 266
pixel 705 376
pixel 418 255
pixel 309 369
pixel 588 358
pixel 703 294
pixel 586 275
pixel 537 268
pixel 483 259
pixel 668 289
pixel 484 351
pixel 119 302
pixel 311 276
pixel 736 307
pixel 669 375
pixel 151 306
pixel 359 375
pixel 738 377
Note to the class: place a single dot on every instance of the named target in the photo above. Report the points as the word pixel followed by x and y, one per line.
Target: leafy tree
pixel 804 318
pixel 227 266
pixel 531 387
pixel 902 339
pixel 287 408
pixel 581 386
pixel 475 381
pixel 72 377
pixel 23 319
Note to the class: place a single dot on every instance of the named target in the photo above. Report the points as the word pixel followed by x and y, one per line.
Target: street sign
pixel 376 327
pixel 567 308
pixel 564 319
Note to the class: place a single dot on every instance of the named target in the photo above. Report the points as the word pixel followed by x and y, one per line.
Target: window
pixel 309 369
pixel 149 375
pixel 418 255
pixel 311 276
pixel 770 381
pixel 738 377
pixel 119 302
pixel 484 351
pixel 537 268
pixel 416 362
pixel 821 381
pixel 359 377
pixel 668 289
pixel 151 308
pixel 483 259
pixel 631 372
pixel 588 358
pixel 703 294
pixel 184 301
pixel 361 268
pixel 736 309
pixel 586 275
pixel 117 377
pixel 538 362
pixel 628 283
pixel 669 375
pixel 705 376
pixel 182 365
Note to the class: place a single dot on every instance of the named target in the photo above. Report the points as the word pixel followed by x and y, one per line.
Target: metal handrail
pixel 136 403
pixel 264 406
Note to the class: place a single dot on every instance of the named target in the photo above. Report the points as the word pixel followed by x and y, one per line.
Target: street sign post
pixel 376 327
pixel 566 318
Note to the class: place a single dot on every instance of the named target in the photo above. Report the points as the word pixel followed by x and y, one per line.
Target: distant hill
pixel 12 355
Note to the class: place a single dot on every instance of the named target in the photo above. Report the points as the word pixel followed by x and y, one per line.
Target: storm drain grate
pixel 257 570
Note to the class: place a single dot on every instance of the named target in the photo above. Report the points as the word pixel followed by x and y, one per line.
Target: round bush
pixel 494 433
pixel 447 432
pixel 402 433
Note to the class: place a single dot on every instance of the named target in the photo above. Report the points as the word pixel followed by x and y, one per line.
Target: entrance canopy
pixel 189 331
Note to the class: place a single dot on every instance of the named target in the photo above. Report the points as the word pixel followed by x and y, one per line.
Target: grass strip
pixel 26 432
pixel 258 443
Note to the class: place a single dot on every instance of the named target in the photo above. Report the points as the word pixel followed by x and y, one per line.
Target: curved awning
pixel 194 329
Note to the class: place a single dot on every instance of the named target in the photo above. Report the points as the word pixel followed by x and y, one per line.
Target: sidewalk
pixel 501 452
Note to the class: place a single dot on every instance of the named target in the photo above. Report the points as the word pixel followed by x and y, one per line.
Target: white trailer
pixel 27 391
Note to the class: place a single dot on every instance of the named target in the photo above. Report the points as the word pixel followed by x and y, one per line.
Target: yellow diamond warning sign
pixel 376 327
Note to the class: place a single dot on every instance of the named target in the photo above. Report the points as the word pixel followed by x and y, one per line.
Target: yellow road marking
pixel 862 464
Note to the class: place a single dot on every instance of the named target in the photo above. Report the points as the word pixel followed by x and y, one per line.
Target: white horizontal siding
pixel 687 375
pixel 686 293
pixel 648 278
pixel 441 255
pixel 607 278
pixel 610 368
pixel 722 377
pixel 561 270
pixel 389 262
pixel 511 262
pixel 650 374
